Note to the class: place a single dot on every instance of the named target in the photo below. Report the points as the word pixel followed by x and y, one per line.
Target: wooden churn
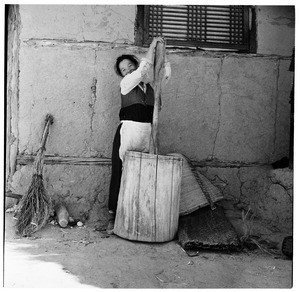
pixel 148 204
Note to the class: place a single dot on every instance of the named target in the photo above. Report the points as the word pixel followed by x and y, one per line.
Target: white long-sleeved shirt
pixel 142 74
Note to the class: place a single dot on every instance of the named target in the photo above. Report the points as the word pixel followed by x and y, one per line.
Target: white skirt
pixel 135 136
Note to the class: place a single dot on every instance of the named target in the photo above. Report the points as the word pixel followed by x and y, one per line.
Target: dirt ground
pixel 82 257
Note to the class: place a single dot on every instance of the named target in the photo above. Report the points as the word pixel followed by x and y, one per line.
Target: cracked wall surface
pixel 105 23
pixel 235 108
pixel 265 192
pixel 83 189
pixel 275 26
pixel 60 81
pixel 217 106
pixel 12 87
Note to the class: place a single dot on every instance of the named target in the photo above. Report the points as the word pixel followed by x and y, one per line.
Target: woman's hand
pixel 155 41
pixel 150 54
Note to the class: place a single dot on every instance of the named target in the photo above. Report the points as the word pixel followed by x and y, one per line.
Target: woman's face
pixel 126 67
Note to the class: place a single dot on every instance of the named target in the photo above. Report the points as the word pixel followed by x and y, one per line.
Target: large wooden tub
pixel 148 204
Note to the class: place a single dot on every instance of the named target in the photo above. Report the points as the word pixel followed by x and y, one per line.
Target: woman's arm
pixel 130 81
pixel 151 51
pixel 142 73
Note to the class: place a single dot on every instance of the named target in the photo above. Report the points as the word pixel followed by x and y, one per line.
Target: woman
pixel 137 101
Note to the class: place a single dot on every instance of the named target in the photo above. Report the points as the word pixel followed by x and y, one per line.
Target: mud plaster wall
pixel 266 194
pixel 12 89
pixel 217 106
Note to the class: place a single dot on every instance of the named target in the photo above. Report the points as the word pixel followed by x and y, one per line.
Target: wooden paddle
pixel 159 61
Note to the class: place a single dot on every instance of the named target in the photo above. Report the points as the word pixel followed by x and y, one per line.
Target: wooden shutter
pixel 196 25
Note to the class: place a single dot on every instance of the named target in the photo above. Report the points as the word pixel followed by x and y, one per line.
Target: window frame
pixel 143 39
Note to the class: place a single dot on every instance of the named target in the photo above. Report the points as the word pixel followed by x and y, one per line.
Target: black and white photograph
pixel 149 145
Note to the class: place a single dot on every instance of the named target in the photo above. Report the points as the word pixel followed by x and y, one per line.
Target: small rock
pixel 79 224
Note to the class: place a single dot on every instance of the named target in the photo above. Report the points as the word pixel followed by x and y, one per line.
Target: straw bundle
pixel 35 205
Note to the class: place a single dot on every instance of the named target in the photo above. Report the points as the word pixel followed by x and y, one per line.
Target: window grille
pixel 225 27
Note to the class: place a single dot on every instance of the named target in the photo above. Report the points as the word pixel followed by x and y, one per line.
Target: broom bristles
pixel 35 208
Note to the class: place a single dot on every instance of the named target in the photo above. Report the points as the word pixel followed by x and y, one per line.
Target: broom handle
pixel 159 61
pixel 48 121
pixel 40 154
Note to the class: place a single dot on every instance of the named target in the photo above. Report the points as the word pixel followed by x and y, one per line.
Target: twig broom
pixel 35 205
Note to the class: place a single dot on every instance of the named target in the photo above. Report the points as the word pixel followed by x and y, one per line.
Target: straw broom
pixel 35 205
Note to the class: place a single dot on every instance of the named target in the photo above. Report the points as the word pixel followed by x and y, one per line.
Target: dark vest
pixel 137 95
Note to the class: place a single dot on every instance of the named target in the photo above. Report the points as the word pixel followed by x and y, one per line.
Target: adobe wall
pixel 222 107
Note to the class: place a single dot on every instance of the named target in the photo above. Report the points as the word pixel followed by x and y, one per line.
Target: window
pixel 214 27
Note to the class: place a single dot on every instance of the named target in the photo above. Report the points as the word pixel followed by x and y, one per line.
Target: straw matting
pixel 191 196
pixel 207 229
